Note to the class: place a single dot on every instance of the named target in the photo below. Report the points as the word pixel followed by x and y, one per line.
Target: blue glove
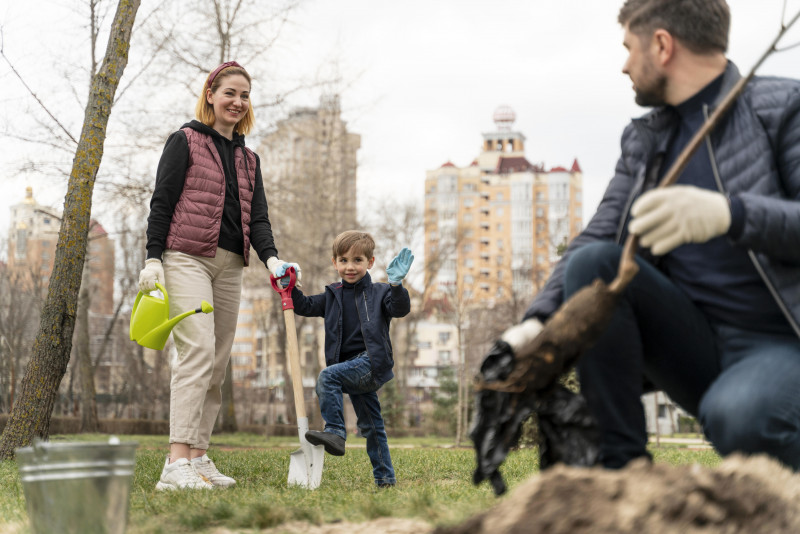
pixel 399 266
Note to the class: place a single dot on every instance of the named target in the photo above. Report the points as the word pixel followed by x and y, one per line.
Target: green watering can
pixel 150 322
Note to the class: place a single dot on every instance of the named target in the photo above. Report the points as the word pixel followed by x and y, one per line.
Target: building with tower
pixel 32 240
pixel 495 228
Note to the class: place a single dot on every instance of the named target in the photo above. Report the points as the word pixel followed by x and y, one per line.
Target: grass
pixel 434 484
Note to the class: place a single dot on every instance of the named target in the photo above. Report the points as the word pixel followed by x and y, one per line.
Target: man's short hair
pixel 361 241
pixel 702 26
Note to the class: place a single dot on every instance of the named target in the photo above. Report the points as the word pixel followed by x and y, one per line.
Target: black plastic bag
pixel 567 430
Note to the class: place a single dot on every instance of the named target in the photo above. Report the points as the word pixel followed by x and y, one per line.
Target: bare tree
pixel 21 298
pixel 31 413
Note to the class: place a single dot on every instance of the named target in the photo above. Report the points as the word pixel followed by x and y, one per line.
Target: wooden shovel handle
pixel 294 364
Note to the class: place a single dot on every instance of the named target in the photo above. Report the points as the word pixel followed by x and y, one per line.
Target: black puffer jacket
pixel 756 152
pixel 377 304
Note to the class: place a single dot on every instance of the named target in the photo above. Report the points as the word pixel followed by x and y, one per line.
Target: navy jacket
pixel 376 303
pixel 755 151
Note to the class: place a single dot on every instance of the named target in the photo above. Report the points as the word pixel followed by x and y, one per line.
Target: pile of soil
pixel 743 495
pixel 754 495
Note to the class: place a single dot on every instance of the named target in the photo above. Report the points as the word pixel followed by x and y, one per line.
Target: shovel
pixel 305 464
pixel 508 389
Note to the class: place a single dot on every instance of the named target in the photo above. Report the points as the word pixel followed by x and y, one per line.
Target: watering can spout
pixel 150 323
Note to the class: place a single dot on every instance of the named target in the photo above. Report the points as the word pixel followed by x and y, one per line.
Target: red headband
pixel 218 69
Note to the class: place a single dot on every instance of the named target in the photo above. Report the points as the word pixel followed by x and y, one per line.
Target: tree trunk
pixel 32 410
pixel 88 404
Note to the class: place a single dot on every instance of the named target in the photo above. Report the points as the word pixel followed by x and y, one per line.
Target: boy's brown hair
pixel 361 241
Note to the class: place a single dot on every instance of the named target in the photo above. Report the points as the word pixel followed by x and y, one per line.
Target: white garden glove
pixel 667 218
pixel 153 272
pixel 278 268
pixel 523 334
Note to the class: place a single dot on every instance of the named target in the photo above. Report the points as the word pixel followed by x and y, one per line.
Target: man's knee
pixel 750 426
pixel 591 261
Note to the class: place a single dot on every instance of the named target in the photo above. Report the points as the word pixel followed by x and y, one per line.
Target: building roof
pixel 506 165
pixel 448 164
pixel 97 229
pixel 575 166
pixel 558 169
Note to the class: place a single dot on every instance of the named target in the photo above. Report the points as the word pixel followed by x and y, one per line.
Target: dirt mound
pixel 753 495
pixel 743 495
pixel 384 525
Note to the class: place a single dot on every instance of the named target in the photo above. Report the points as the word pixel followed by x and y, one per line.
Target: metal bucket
pixel 77 487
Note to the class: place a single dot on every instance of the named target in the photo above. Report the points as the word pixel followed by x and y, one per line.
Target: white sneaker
pixel 181 474
pixel 205 468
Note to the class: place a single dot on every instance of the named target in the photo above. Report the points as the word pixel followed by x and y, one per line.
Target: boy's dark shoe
pixel 333 444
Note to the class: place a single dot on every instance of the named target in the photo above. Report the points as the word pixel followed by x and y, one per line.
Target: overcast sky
pixel 427 76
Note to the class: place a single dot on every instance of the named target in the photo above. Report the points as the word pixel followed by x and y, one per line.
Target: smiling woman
pixel 207 210
pixel 225 102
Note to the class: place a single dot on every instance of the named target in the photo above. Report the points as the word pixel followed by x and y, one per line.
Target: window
pixel 240 361
pixel 444 337
pixel 444 356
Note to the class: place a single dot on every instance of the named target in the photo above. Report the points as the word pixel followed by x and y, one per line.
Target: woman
pixel 207 209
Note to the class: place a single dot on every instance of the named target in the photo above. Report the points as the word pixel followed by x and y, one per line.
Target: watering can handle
pixel 163 292
pixel 160 288
pixel 285 292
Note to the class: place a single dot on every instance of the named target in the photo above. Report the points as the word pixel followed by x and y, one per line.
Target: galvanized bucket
pixel 77 487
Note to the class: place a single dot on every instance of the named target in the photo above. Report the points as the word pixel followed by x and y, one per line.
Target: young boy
pixel 358 352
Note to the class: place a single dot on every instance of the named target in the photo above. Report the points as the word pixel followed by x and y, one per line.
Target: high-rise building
pixel 309 160
pixel 308 163
pixel 494 228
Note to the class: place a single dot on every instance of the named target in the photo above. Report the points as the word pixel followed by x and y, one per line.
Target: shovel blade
pixel 305 466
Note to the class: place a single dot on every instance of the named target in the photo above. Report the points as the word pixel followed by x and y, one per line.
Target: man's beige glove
pixel 522 334
pixel 666 218
pixel 153 272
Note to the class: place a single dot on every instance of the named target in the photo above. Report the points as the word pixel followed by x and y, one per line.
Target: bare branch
pixel 30 91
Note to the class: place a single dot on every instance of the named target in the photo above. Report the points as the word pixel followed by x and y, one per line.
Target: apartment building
pixel 495 228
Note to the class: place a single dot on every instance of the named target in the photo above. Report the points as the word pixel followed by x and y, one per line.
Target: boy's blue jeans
pixel 354 377
pixel 741 384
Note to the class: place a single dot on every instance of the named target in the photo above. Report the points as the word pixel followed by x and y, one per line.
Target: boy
pixel 358 351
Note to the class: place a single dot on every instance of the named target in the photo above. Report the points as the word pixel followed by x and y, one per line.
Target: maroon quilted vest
pixel 198 214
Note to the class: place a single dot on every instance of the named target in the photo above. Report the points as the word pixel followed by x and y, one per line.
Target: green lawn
pixel 434 484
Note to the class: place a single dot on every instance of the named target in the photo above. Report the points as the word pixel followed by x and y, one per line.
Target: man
pixel 713 316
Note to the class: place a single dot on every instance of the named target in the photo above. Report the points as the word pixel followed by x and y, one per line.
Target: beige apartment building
pixel 32 240
pixel 495 228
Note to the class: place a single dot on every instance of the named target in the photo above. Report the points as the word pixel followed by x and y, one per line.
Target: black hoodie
pixel 170 178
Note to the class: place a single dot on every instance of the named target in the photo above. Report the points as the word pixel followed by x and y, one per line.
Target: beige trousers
pixel 203 341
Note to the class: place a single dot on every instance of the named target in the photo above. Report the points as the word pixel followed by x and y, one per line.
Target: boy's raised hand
pixel 399 266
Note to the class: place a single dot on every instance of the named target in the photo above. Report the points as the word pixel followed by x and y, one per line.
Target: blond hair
pixel 205 111
pixel 361 242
